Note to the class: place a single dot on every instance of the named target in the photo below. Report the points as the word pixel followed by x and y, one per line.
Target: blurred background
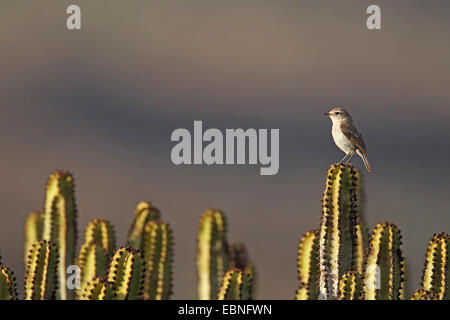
pixel 102 102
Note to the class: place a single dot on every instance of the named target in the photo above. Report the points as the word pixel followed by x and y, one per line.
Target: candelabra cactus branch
pixel 212 253
pixel 92 261
pixel 34 227
pixel 350 286
pixel 436 272
pixel 308 266
pixel 41 280
pixel 125 272
pixel 340 243
pixel 143 213
pixel 158 257
pixel 384 277
pixel 60 224
pixel 101 232
pixel 8 285
pixel 98 289
pixel 239 259
pixel 423 294
pixel 235 285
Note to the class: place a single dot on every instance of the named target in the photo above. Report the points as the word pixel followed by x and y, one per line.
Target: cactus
pixel 92 261
pixel 101 232
pixel 236 285
pixel 350 286
pixel 423 294
pixel 158 257
pixel 212 253
pixel 41 280
pixel 308 266
pixel 98 289
pixel 8 285
pixel 144 213
pixel 126 273
pixel 384 277
pixel 341 243
pixel 60 224
pixel 436 272
pixel 34 227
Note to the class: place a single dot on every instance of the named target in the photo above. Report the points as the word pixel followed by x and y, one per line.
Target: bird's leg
pixel 351 156
pixel 342 161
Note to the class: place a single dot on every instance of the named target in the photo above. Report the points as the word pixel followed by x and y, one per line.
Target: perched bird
pixel 347 136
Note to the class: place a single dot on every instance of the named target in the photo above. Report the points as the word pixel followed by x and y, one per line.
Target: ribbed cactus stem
pixel 212 253
pixel 92 261
pixel 158 257
pixel 350 286
pixel 60 224
pixel 34 227
pixel 308 266
pixel 8 285
pixel 98 289
pixel 384 277
pixel 232 283
pixel 340 243
pixel 126 273
pixel 41 280
pixel 436 273
pixel 143 213
pixel 101 232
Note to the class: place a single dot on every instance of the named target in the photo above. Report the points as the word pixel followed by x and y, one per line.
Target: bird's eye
pixel 336 113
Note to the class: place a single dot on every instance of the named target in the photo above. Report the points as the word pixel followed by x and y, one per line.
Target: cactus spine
pixel 212 253
pixel 308 266
pixel 235 285
pixel 350 286
pixel 340 243
pixel 125 272
pixel 40 277
pixel 143 213
pixel 98 289
pixel 60 224
pixel 34 226
pixel 158 257
pixel 436 273
pixel 8 285
pixel 384 277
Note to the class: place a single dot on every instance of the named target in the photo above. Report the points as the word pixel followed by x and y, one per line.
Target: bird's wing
pixel 352 134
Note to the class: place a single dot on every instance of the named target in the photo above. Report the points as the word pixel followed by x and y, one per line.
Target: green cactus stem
pixel 98 289
pixel 92 261
pixel 8 285
pixel 101 232
pixel 41 280
pixel 350 286
pixel 341 245
pixel 60 224
pixel 143 213
pixel 308 266
pixel 126 273
pixel 232 284
pixel 212 253
pixel 34 227
pixel 158 257
pixel 436 272
pixel 384 277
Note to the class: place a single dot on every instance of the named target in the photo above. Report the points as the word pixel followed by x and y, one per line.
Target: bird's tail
pixel 366 162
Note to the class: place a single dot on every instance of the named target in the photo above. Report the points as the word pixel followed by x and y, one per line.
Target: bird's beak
pixel 326 114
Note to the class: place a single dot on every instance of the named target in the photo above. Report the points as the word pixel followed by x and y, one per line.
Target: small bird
pixel 347 136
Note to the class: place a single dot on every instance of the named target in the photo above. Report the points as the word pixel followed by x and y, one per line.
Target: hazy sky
pixel 102 102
